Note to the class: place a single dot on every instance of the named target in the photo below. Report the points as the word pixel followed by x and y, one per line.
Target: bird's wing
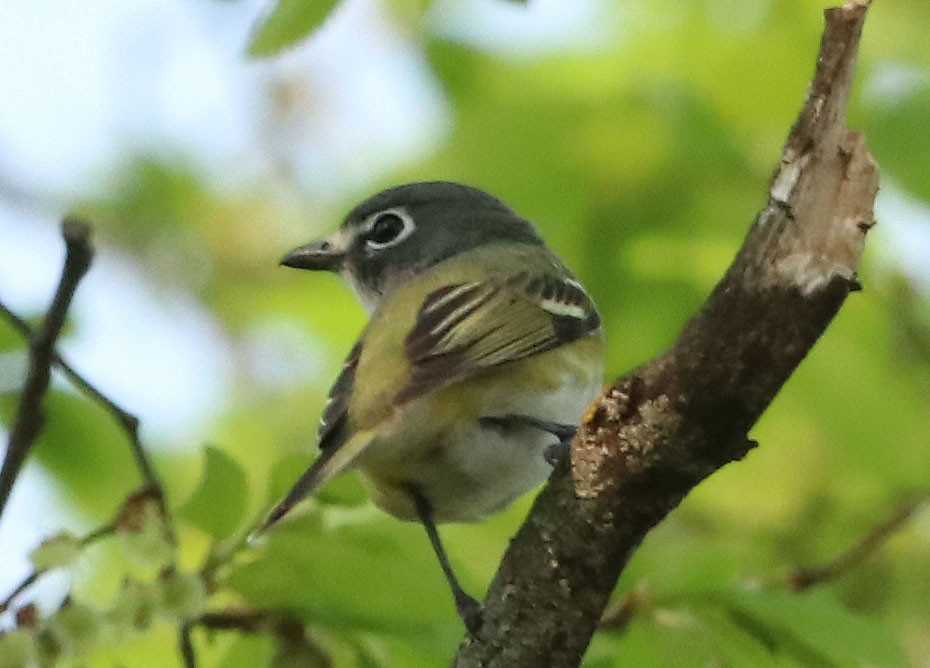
pixel 331 431
pixel 338 450
pixel 331 461
pixel 460 330
pixel 466 328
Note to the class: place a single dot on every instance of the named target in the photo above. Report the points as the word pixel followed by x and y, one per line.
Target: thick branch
pixel 29 415
pixel 660 430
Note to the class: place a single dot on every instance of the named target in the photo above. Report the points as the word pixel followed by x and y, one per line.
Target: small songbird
pixel 479 359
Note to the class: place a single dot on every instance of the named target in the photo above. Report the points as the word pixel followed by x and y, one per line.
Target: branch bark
pixel 29 416
pixel 661 429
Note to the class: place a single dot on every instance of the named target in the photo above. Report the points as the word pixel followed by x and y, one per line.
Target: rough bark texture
pixel 660 430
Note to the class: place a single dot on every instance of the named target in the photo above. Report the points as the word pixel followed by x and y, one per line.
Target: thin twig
pixel 293 639
pixel 252 620
pixel 802 578
pixel 186 646
pixel 30 415
pixel 20 588
pixel 131 517
pixel 127 421
pixel 92 537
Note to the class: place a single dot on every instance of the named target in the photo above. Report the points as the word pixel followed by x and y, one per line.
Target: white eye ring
pixel 381 230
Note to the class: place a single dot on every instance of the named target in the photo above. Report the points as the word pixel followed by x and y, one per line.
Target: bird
pixel 467 384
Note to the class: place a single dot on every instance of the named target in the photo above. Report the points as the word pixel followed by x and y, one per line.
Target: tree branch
pixel 661 429
pixel 128 422
pixel 29 416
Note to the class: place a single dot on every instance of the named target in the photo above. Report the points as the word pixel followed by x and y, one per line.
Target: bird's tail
pixel 331 462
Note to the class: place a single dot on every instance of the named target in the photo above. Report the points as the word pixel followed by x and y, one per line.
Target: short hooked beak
pixel 323 255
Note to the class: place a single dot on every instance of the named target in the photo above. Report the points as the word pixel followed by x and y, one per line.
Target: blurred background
pixel 638 136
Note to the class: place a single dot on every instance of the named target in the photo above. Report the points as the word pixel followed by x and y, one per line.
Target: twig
pixel 291 632
pixel 252 620
pixel 128 422
pixel 802 578
pixel 92 537
pixel 29 416
pixel 19 589
pixel 186 646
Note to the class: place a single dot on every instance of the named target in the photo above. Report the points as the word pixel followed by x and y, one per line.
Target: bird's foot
pixel 556 453
pixel 471 612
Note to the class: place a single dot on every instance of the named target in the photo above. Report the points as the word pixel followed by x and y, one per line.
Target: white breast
pixel 470 470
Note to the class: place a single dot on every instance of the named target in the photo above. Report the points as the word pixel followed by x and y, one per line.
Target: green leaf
pixel 182 593
pixel 344 490
pixel 247 651
pixel 218 505
pixel 815 624
pixel 289 22
pixel 57 551
pixel 77 627
pixel 17 648
pixel 84 451
pixel 349 569
pixel 894 125
pixel 712 638
pixel 10 338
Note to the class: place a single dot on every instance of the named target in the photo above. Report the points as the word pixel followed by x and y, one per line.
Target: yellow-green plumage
pixel 422 442
pixel 482 353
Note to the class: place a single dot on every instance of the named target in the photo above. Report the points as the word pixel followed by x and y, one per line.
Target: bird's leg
pixel 468 608
pixel 558 451
pixel 555 452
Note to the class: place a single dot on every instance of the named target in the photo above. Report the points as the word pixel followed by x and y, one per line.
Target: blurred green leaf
pixel 10 338
pixel 246 651
pixel 343 490
pixel 815 624
pixel 891 124
pixel 333 569
pixel 289 22
pixel 58 551
pixel 83 450
pixel 218 505
pixel 693 634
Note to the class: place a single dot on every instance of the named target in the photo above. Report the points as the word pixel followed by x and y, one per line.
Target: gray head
pixel 402 231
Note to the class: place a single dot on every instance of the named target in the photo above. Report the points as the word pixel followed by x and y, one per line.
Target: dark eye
pixel 387 229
